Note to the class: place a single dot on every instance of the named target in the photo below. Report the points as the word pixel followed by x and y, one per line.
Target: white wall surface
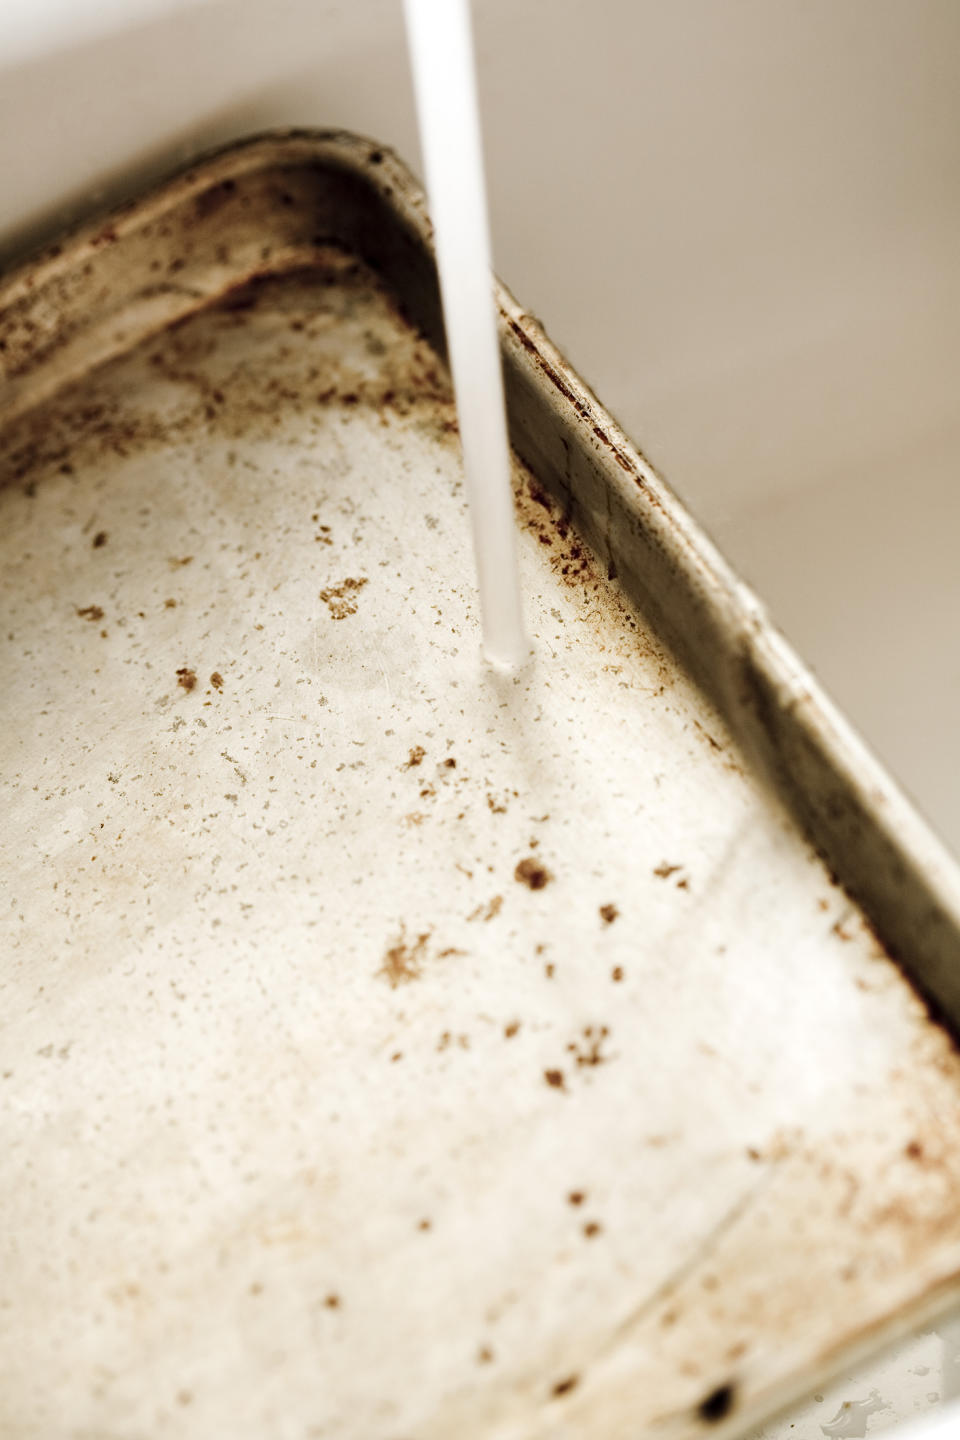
pixel 741 220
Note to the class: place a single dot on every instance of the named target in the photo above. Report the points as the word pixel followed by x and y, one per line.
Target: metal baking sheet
pixel 391 1048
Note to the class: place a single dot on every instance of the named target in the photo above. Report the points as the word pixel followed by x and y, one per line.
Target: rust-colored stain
pixel 576 1197
pixel 554 1078
pixel 186 679
pixel 90 612
pixel 488 911
pixel 415 757
pixel 531 873
pixel 511 1029
pixel 339 599
pixel 616 974
pixel 216 680
pixel 403 960
pixel 592 1228
pixel 664 870
pixel 608 913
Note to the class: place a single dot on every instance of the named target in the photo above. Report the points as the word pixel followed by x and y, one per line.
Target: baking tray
pixel 392 1048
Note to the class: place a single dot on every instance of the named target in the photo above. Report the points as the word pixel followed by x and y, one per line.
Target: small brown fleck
pixel 403 962
pixel 576 1197
pixel 90 612
pixel 332 1302
pixel 563 1387
pixel 608 913
pixel 665 870
pixel 170 604
pixel 592 1228
pixel 511 1029
pixel 531 873
pixel 914 1151
pixel 216 680
pixel 99 539
pixel 495 806
pixel 339 598
pixel 753 1153
pixel 554 1078
pixel 683 884
pixel 549 969
pixel 484 1355
pixel 176 564
pixel 184 1397
pixel 450 763
pixel 397 1055
pixel 415 758
pixel 186 679
pixel 616 973
pixel 424 1225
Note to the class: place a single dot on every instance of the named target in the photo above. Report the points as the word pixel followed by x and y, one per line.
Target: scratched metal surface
pixel 390 1049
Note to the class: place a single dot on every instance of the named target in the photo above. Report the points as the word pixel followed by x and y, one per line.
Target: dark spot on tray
pixel 532 874
pixel 484 1355
pixel 608 913
pixel 753 1153
pixel 169 604
pixel 184 1397
pixel 187 679
pixel 216 680
pixel 718 1404
pixel 425 1225
pixel 403 961
pixel 554 1078
pixel 415 757
pixel 176 563
pixel 511 1029
pixel 549 969
pixel 616 973
pixel 376 157
pixel 563 1387
pixel 90 612
pixel 332 1302
pixel 339 598
pixel 450 763
pixel 914 1151
pixel 99 539
pixel 592 1228
pixel 664 870
pixel 576 1197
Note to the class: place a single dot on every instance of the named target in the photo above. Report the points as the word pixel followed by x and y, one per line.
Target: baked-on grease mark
pixel 608 913
pixel 718 1404
pixel 554 1078
pixel 415 757
pixel 664 870
pixel 339 599
pixel 216 680
pixel 403 960
pixel 186 678
pixel 531 873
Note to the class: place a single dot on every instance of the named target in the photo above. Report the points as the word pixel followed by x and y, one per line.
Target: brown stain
pixel 564 1386
pixel 576 1197
pixel 177 563
pixel 488 911
pixel 403 960
pixel 415 758
pixel 339 599
pixel 664 870
pixel 588 1051
pixel 718 1404
pixel 554 1078
pixel 592 1228
pixel 169 604
pixel 90 612
pixel 511 1029
pixel 616 974
pixel 186 678
pixel 100 539
pixel 484 1355
pixel 216 680
pixel 531 873
pixel 608 913
pixel 332 1301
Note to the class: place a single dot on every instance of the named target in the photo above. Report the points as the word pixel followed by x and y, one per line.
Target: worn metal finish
pixel 390 1048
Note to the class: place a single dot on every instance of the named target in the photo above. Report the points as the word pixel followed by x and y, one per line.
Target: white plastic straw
pixel 441 53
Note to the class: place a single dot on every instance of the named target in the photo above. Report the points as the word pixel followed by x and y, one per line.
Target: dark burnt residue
pixel 608 913
pixel 718 1404
pixel 339 599
pixel 186 678
pixel 415 757
pixel 90 612
pixel 554 1078
pixel 99 539
pixel 531 873
pixel 564 1386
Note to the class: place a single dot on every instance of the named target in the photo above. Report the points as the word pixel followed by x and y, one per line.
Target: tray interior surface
pixel 392 1048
